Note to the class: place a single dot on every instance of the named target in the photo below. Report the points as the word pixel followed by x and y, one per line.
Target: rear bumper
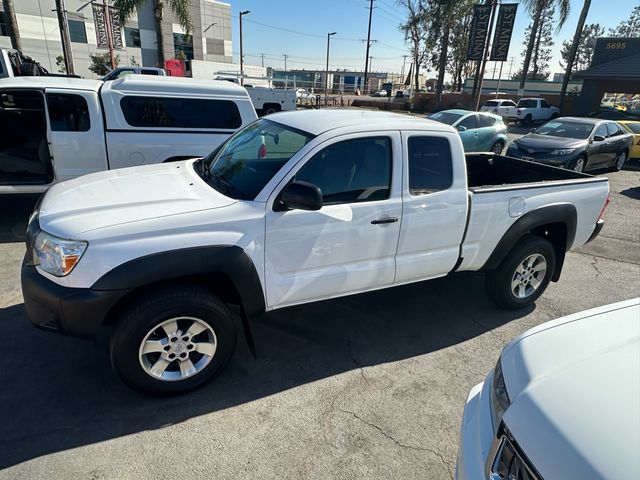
pixel 596 230
pixel 71 311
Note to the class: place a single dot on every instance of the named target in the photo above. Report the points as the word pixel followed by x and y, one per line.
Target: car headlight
pixel 563 151
pixel 499 397
pixel 56 256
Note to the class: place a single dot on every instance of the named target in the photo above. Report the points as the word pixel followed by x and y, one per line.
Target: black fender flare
pixel 229 260
pixel 563 213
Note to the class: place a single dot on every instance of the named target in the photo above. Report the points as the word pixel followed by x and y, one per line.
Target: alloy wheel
pixel 579 166
pixel 528 276
pixel 621 159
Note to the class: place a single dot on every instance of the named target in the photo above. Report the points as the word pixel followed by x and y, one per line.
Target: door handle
pixel 379 221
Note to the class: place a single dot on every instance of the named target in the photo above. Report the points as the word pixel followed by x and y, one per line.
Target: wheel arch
pixel 226 271
pixel 555 223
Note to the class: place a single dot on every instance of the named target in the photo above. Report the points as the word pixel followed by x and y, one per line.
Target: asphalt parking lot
pixel 369 386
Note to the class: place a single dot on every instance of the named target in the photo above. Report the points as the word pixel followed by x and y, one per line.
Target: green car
pixel 480 131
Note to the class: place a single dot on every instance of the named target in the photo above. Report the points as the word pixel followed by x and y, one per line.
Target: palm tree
pixel 574 49
pixel 12 24
pixel 179 7
pixel 537 7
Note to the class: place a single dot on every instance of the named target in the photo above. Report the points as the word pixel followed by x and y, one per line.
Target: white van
pixel 54 128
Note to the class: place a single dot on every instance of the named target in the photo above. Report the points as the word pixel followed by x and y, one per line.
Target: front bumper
pixel 72 311
pixel 555 161
pixel 476 433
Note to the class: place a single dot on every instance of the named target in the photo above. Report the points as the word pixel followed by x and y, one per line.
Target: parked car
pixel 578 144
pixel 614 114
pixel 305 96
pixel 479 131
pixel 561 402
pixel 531 110
pixel 55 129
pixel 124 71
pixel 504 107
pixel 380 93
pixel 613 102
pixel 276 217
pixel 402 94
pixel 633 127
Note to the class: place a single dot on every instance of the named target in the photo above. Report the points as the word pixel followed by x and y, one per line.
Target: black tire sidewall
pixel 499 280
pixel 501 147
pixel 141 318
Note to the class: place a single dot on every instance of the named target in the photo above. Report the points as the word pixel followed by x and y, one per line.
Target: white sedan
pixel 562 402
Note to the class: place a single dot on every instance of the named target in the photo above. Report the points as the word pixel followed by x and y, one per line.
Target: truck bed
pixel 486 171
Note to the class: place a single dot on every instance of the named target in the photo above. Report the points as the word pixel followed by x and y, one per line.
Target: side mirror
pixel 461 128
pixel 598 138
pixel 302 196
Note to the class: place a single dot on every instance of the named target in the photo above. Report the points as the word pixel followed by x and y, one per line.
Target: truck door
pixel 434 206
pixel 75 133
pixel 349 245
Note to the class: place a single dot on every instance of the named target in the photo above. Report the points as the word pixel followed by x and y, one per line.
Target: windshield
pixel 446 117
pixel 242 166
pixel 566 129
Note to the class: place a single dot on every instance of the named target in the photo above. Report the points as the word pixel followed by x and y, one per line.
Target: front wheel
pixel 620 161
pixel 523 275
pixel 497 147
pixel 172 341
pixel 579 164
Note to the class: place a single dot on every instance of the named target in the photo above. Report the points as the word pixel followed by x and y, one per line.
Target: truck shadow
pixel 60 393
pixel 14 215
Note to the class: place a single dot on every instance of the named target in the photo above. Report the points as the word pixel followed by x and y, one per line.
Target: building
pixel 340 81
pixel 558 77
pixel 38 27
pixel 532 87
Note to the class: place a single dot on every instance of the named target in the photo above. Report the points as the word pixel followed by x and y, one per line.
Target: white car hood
pixel 574 386
pixel 73 208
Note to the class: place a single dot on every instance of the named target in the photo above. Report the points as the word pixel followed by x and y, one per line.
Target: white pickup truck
pixel 295 208
pixel 504 107
pixel 56 128
pixel 531 110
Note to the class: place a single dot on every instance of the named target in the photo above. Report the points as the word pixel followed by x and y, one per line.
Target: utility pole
pixel 262 59
pixel 12 24
pixel 366 57
pixel 285 61
pixel 512 60
pixel 63 25
pixel 404 60
pixel 241 55
pixel 326 79
pixel 107 27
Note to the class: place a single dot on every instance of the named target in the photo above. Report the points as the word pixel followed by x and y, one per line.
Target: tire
pixel 497 147
pixel 199 328
pixel 555 115
pixel 508 287
pixel 620 161
pixel 269 109
pixel 579 165
pixel 528 119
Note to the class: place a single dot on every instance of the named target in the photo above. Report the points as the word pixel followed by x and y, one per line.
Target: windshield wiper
pixel 229 188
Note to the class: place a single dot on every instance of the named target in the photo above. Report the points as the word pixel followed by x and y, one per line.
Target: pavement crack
pixel 594 264
pixel 356 361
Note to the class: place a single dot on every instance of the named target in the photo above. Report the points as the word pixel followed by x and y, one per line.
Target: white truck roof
pixel 178 85
pixel 320 121
pixel 51 82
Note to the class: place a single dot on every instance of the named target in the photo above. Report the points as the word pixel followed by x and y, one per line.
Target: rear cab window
pixel 430 165
pixel 527 103
pixel 68 112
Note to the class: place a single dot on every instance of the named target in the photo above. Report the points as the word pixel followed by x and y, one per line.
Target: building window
pixel 4 31
pixel 183 46
pixel 132 37
pixel 151 112
pixel 77 31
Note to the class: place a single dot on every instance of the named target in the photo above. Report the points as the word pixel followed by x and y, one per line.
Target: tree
pixel 536 8
pixel 584 50
pixel 457 64
pixel 629 27
pixel 181 8
pixel 101 63
pixel 12 24
pixel 414 34
pixel 62 66
pixel 539 35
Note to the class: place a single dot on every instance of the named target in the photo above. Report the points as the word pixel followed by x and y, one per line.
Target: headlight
pixel 56 256
pixel 499 397
pixel 563 151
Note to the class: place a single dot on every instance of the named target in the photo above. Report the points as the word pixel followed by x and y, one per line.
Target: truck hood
pixel 73 208
pixel 546 142
pixel 574 386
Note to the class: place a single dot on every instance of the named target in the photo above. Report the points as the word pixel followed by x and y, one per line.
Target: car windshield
pixel 566 129
pixel 245 163
pixel 446 117
pixel 634 127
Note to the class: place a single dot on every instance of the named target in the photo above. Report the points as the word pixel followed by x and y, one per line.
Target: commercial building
pixel 38 27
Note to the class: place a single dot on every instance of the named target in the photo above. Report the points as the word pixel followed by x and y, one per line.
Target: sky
pixel 298 29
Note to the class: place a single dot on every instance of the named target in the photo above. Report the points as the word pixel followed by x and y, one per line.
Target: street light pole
pixel 326 78
pixel 241 54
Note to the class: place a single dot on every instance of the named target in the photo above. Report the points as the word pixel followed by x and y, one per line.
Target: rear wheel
pixel 620 161
pixel 497 147
pixel 528 119
pixel 271 108
pixel 173 340
pixel 523 275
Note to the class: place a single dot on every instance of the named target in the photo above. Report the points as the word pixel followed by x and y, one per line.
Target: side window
pixel 509 104
pixel 68 113
pixel 601 131
pixel 486 121
pixel 155 112
pixel 149 72
pixel 613 129
pixel 469 122
pixel 124 72
pixel 357 170
pixel 430 167
pixel 544 104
